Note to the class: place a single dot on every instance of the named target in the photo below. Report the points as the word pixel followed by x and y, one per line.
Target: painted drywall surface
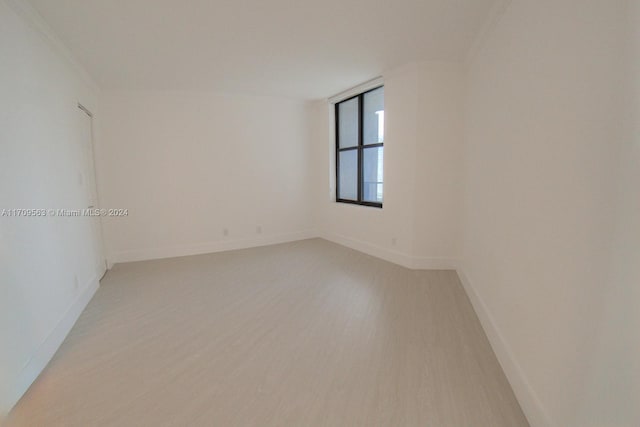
pixel 46 263
pixel 438 161
pixel 187 166
pixel 614 382
pixel 415 227
pixel 281 48
pixel 542 146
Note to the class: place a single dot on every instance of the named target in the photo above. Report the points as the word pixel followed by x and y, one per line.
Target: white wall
pixel 188 165
pixel 438 164
pixel 418 226
pixel 543 138
pixel 614 382
pixel 47 265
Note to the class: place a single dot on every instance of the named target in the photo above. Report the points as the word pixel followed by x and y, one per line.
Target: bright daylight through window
pixel 360 148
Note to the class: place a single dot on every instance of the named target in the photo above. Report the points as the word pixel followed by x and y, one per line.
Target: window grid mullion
pixel 337 108
pixel 360 143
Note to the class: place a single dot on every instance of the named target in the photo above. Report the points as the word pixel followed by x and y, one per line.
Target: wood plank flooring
pixel 307 333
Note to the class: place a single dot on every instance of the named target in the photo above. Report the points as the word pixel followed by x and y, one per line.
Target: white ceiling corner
pixel 291 48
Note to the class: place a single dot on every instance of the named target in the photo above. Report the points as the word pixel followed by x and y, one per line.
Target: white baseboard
pixel 405 260
pixel 207 247
pixel 369 249
pixel 526 395
pixel 43 354
pixel 408 261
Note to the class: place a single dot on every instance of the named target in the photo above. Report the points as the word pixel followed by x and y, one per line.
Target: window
pixel 360 148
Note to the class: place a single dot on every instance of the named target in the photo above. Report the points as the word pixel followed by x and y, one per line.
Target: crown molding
pixel 32 17
pixel 356 90
pixel 490 23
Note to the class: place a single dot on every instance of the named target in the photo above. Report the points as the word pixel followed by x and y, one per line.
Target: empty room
pixel 299 213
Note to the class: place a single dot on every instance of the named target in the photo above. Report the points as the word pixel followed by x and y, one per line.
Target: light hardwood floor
pixel 300 334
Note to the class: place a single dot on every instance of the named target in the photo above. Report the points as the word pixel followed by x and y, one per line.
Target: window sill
pixel 354 203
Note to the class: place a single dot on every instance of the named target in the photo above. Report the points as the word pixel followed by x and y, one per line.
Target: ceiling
pixel 292 48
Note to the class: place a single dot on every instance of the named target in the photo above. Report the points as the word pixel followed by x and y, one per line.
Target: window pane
pixel 348 174
pixel 348 123
pixel 372 165
pixel 374 116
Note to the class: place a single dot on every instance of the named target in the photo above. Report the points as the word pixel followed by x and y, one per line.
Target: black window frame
pixel 359 148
